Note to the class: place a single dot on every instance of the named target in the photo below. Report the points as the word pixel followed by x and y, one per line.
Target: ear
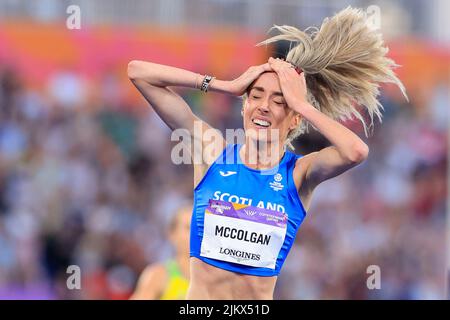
pixel 243 106
pixel 295 122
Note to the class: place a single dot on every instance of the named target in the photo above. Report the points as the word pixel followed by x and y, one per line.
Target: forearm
pixel 164 76
pixel 349 145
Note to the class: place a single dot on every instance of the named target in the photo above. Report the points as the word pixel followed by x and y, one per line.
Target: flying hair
pixel 344 62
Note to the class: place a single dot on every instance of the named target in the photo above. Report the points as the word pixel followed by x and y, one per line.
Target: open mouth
pixel 261 123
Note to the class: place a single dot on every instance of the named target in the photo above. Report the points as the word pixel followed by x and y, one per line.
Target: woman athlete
pixel 250 198
pixel 169 280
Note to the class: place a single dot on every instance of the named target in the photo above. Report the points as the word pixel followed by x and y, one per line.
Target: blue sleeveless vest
pixel 245 220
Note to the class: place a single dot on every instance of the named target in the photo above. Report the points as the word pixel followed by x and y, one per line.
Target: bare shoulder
pixel 151 282
pixel 206 149
pixel 153 271
pixel 301 168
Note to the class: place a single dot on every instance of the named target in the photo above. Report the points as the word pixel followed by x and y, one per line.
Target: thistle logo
pixel 276 185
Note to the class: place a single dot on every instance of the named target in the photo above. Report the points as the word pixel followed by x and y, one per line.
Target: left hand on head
pixel 293 85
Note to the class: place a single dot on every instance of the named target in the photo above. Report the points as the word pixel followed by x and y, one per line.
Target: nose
pixel 264 106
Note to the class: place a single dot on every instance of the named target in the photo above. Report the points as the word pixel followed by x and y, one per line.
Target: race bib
pixel 243 234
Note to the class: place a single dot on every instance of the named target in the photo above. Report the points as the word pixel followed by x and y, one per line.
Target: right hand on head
pixel 239 85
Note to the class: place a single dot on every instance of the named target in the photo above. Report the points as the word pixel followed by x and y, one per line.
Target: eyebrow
pixel 261 89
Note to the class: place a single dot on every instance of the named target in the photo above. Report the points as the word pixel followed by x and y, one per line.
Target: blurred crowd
pixel 90 182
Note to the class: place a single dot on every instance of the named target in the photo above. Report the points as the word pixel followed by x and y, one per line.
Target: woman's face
pixel 266 115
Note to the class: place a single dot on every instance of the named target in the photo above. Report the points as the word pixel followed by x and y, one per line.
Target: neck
pixel 261 155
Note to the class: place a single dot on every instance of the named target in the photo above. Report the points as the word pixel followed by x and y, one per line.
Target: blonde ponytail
pixel 344 61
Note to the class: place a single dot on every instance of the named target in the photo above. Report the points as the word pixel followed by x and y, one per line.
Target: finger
pixel 282 77
pixel 303 79
pixel 266 67
pixel 275 66
pixel 289 75
pixel 285 72
pixel 278 60
pixel 272 60
pixel 280 64
pixel 293 71
pixel 288 65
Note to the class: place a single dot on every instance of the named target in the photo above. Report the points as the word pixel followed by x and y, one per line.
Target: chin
pixel 261 135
